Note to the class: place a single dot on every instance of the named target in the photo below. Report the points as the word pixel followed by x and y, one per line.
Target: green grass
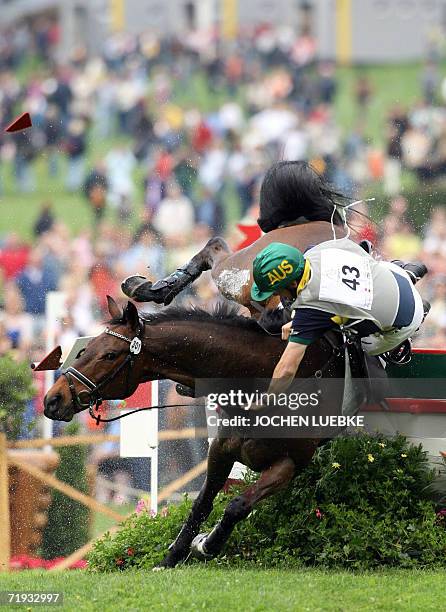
pixel 397 84
pixel 18 211
pixel 200 588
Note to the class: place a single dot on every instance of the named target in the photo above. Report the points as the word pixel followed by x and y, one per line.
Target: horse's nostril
pixel 52 402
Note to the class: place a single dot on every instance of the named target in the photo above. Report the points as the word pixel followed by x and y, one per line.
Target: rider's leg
pixel 163 291
pixel 376 344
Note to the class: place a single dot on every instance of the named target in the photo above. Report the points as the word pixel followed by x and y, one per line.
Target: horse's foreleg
pixel 218 469
pixel 271 480
pixel 163 291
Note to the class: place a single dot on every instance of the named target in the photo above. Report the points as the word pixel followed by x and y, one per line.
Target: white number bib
pixel 346 278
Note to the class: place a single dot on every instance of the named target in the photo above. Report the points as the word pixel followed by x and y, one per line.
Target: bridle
pixel 92 393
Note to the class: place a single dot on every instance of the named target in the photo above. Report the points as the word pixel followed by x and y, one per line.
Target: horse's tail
pixel 294 191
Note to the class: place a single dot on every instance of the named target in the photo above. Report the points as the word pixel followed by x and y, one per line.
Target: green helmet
pixel 275 267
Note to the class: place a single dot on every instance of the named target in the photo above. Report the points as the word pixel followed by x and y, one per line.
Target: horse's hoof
pixel 198 549
pixel 130 284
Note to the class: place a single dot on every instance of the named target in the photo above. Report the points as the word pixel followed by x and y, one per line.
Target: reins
pixel 99 419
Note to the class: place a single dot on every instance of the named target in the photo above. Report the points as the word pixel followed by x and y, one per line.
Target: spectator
pixel 17 323
pixel 145 252
pixel 363 92
pixel 75 147
pixel 120 163
pixel 45 220
pixel 429 82
pixel 437 314
pixel 34 283
pixel 175 216
pixel 53 131
pixel 13 256
pixel 95 190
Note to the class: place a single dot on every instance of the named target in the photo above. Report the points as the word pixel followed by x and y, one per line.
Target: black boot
pixel 416 271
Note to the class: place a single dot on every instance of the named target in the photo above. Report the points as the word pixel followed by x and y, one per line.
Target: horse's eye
pixel 110 356
pixel 80 353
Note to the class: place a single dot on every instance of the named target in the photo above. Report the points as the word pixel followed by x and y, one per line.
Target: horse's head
pixel 110 367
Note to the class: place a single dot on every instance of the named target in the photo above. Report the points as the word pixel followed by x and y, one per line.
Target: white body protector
pixel 350 283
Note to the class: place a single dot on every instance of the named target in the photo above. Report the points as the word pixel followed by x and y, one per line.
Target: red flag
pixel 20 123
pixel 252 233
pixel 51 362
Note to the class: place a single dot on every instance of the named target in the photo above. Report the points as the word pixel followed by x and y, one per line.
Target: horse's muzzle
pixel 54 410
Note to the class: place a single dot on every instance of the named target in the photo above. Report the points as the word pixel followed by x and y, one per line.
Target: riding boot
pixel 416 271
pixel 163 291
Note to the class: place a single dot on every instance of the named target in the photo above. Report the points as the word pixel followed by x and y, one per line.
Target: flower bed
pixel 363 502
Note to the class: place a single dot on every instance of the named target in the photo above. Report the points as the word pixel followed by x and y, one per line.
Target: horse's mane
pixel 224 313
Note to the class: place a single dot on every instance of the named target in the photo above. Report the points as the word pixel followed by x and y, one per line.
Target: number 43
pixel 348 272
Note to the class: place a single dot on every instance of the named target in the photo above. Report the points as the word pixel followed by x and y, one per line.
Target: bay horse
pixel 185 345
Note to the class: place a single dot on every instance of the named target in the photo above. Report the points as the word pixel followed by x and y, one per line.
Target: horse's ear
pixel 113 308
pixel 131 316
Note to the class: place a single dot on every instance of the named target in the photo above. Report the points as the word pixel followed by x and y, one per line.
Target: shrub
pixel 67 527
pixel 16 390
pixel 363 502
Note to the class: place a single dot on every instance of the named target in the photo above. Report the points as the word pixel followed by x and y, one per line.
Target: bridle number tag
pixel 135 346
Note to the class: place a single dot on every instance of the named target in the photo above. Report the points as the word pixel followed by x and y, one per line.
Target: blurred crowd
pixel 174 175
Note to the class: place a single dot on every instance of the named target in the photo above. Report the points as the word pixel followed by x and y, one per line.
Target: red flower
pixel 319 514
pixel 130 552
pixel 119 561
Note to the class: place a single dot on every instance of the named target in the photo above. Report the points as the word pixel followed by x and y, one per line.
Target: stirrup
pixel 401 355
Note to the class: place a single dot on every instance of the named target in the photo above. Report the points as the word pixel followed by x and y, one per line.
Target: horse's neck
pixel 187 350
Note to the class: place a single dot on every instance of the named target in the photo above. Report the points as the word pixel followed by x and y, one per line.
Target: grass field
pixel 199 588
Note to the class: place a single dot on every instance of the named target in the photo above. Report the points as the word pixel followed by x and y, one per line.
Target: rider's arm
pixel 308 325
pixel 286 369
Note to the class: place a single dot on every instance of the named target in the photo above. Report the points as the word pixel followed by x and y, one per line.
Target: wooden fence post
pixel 5 537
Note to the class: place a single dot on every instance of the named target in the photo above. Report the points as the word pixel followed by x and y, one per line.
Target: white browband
pixel 135 343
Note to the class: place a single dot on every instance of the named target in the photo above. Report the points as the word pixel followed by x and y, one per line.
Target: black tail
pixel 292 190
